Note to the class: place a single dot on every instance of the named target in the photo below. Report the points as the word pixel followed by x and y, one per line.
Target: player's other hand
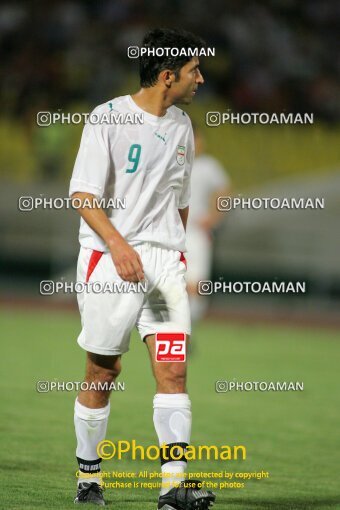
pixel 127 262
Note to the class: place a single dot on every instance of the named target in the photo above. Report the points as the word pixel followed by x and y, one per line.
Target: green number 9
pixel 134 157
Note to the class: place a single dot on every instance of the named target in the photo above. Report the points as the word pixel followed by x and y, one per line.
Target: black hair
pixel 151 65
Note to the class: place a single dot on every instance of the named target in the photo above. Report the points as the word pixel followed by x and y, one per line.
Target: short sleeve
pixel 189 159
pixel 92 164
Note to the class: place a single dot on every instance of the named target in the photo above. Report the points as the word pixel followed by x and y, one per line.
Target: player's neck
pixel 152 100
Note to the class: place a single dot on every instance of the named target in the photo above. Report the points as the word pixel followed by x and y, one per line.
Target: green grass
pixel 293 435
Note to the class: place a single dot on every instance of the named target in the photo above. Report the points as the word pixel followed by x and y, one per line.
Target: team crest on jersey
pixel 180 157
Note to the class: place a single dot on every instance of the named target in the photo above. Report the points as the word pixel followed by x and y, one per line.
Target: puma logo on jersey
pixel 160 137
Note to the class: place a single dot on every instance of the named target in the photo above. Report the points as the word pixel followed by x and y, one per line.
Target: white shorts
pixel 108 318
pixel 199 255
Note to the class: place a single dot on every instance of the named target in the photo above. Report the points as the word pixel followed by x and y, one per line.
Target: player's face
pixel 190 78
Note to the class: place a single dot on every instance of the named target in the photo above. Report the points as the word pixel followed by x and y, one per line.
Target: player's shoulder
pixel 180 116
pixel 117 104
pixel 105 117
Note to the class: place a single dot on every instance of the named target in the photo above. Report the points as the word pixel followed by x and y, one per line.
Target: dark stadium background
pixel 272 56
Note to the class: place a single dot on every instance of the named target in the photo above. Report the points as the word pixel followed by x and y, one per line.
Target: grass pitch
pixel 292 435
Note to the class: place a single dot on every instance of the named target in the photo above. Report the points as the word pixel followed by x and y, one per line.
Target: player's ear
pixel 167 77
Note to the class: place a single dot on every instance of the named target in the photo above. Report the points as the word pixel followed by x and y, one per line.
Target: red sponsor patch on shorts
pixel 171 347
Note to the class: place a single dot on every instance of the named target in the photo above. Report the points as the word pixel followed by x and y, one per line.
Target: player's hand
pixel 127 262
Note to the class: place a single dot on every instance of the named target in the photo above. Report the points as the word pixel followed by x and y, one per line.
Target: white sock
pixel 90 426
pixel 172 420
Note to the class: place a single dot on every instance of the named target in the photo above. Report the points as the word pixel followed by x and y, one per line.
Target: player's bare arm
pixel 125 258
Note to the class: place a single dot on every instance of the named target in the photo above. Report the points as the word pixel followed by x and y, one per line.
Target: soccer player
pixel 208 182
pixel 149 164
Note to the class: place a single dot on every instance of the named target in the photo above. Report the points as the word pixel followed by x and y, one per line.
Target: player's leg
pixel 92 409
pixel 170 377
pixel 107 321
pixel 172 420
pixel 167 310
pixel 103 369
pixel 91 413
pixel 172 412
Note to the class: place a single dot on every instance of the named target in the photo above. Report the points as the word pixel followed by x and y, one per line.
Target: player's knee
pixel 103 369
pixel 105 376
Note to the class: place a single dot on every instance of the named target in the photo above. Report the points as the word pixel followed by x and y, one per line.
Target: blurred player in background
pixel 209 180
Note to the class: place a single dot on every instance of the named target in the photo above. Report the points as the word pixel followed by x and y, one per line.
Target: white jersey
pixel 143 167
pixel 207 177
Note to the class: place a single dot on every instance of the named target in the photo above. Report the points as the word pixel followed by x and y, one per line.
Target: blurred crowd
pixel 276 55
